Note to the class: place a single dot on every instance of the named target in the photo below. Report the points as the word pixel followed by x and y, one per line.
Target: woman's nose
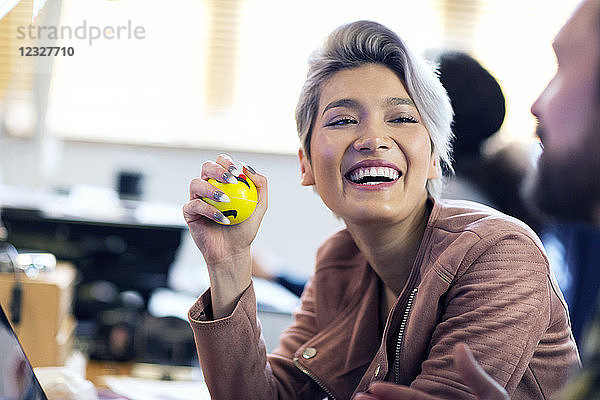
pixel 535 107
pixel 372 140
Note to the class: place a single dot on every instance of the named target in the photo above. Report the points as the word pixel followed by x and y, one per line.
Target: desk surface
pixel 95 370
pixel 141 381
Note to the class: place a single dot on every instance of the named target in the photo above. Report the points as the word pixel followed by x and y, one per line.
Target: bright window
pixel 226 74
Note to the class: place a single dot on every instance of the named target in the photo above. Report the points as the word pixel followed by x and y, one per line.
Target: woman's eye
pixel 405 119
pixel 342 122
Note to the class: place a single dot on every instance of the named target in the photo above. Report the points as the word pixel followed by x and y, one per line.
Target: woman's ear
pixel 435 170
pixel 306 174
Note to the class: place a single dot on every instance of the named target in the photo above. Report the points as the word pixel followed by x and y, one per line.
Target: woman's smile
pixel 373 175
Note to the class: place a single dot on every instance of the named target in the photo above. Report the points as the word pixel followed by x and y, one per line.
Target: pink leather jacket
pixel 480 277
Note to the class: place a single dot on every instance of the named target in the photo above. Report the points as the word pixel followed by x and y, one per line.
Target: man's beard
pixel 567 187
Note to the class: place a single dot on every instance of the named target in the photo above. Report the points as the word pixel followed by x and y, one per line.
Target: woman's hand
pixel 480 383
pixel 226 248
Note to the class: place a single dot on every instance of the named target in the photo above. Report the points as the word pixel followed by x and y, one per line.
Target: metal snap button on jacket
pixel 309 353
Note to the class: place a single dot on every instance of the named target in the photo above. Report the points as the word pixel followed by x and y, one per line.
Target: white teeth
pixel 384 172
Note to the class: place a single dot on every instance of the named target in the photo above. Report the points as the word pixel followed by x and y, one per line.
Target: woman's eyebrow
pixel 399 101
pixel 348 103
pixel 351 103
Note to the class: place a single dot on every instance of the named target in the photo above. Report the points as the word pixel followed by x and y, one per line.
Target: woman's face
pixel 371 155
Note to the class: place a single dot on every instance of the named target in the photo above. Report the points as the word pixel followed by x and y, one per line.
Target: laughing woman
pixel 409 277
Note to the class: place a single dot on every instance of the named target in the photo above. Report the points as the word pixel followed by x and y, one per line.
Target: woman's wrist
pixel 228 280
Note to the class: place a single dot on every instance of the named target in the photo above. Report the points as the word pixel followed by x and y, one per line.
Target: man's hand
pixel 480 383
pixel 473 375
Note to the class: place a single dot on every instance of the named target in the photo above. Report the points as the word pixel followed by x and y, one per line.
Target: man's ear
pixel 306 174
pixel 435 170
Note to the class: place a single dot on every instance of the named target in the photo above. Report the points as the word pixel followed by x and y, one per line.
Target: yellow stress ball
pixel 243 198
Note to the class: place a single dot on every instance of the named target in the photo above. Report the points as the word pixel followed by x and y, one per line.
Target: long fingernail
pixel 248 167
pixel 221 197
pixel 229 178
pixel 234 170
pixel 221 218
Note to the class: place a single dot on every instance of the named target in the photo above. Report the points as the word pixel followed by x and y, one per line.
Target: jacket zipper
pixel 314 378
pixel 401 334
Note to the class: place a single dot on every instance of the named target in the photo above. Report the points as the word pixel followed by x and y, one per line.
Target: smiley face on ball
pixel 243 198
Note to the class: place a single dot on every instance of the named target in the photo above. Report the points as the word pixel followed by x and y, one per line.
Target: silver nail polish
pixel 221 197
pixel 221 218
pixel 234 170
pixel 228 176
pixel 248 167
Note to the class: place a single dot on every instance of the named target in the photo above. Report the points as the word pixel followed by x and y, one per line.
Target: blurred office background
pixel 217 76
pixel 212 76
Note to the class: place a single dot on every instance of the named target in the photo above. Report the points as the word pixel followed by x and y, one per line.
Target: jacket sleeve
pixel 232 351
pixel 499 303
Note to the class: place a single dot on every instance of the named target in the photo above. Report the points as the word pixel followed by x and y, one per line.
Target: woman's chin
pixel 372 215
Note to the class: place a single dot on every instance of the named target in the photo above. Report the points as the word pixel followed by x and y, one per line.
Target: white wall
pixel 295 223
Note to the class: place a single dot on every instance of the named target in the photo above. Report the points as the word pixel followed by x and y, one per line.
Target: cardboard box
pixel 47 326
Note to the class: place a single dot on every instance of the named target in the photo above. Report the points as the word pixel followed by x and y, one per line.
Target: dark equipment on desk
pixel 165 341
pixel 130 257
